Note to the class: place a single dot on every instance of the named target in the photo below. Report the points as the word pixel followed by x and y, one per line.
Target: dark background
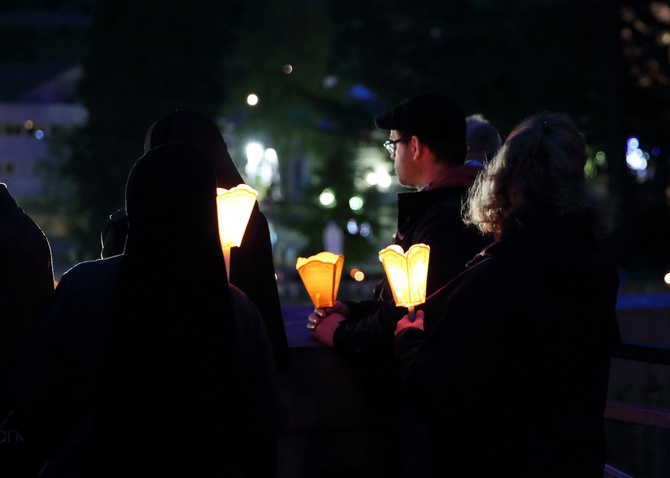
pixel 604 62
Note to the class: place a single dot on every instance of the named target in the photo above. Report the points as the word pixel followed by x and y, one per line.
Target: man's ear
pixel 417 145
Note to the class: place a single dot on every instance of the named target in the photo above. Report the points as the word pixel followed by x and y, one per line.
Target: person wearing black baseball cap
pixel 427 136
pixel 427 142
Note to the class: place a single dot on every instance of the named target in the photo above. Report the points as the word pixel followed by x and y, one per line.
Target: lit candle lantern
pixel 234 208
pixel 321 276
pixel 407 273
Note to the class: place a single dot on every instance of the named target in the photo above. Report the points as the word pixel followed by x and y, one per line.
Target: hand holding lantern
pixel 321 276
pixel 407 273
pixel 234 208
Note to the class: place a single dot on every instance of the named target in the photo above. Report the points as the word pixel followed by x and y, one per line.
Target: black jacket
pixel 252 266
pixel 431 217
pixel 56 392
pixel 252 270
pixel 511 373
pixel 149 361
pixel 26 283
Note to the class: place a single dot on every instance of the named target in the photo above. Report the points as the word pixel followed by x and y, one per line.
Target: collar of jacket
pixel 461 176
pixel 416 203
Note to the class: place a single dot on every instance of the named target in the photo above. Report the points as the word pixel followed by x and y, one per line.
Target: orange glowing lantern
pixel 407 273
pixel 234 208
pixel 321 275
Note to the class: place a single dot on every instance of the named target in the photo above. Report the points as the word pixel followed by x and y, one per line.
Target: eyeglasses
pixel 390 145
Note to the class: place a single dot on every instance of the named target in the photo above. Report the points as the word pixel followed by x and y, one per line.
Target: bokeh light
pixel 327 198
pixel 356 203
pixel 357 274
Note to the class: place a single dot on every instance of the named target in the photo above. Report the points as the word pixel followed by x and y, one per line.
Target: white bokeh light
pixel 254 152
pixel 356 203
pixel 327 198
pixel 384 180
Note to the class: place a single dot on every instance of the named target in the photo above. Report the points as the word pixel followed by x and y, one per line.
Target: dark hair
pixel 537 174
pixel 482 137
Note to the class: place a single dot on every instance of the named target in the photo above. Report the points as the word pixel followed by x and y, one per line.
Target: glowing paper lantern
pixel 321 275
pixel 234 208
pixel 407 273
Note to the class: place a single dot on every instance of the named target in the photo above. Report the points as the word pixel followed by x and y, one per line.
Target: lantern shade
pixel 407 273
pixel 321 276
pixel 234 208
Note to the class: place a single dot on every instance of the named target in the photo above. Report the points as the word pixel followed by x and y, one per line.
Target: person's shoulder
pixel 246 316
pixel 438 201
pixel 92 271
pixel 242 304
pixel 440 194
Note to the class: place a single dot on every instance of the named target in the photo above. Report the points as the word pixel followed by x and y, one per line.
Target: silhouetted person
pixel 149 363
pixel 483 139
pixel 508 364
pixel 251 264
pixel 26 283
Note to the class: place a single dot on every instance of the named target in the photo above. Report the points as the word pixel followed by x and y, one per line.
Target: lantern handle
pixel 412 315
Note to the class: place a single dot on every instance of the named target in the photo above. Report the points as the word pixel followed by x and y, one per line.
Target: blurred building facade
pixel 27 127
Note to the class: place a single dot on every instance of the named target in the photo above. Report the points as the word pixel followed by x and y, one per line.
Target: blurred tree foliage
pixel 604 62
pixel 144 60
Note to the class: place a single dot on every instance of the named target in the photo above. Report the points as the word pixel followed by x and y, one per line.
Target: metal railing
pixel 635 414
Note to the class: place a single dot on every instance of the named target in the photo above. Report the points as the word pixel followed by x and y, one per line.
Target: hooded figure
pixel 251 264
pixel 149 362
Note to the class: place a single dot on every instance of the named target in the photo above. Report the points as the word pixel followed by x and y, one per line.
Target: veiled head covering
pixel 172 185
pixel 184 126
pixel 170 373
pixel 252 267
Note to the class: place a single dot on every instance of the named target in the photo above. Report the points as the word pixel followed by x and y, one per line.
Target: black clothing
pixel 431 217
pixel 26 283
pixel 63 371
pixel 511 372
pixel 149 363
pixel 251 264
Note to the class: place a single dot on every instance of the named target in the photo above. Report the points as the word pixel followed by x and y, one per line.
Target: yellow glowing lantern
pixel 321 275
pixel 407 273
pixel 234 208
